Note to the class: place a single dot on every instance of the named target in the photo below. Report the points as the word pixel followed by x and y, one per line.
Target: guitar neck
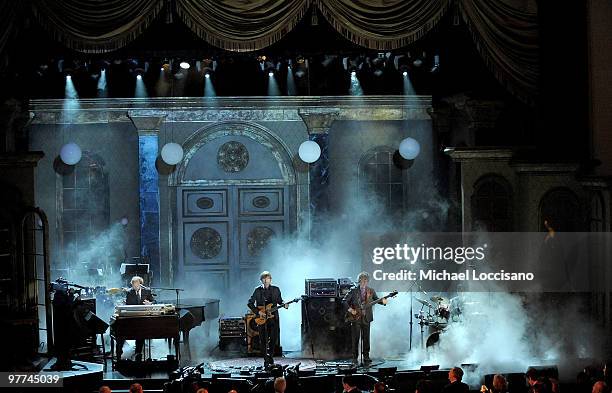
pixel 276 308
pixel 379 300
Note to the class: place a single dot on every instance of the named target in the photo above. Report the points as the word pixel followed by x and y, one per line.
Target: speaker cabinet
pixel 324 330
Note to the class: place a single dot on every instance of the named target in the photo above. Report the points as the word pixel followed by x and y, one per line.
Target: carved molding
pixel 479 154
pixel 318 120
pixel 207 109
pixel 146 124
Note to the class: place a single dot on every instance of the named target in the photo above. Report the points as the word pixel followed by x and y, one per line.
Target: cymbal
pixel 423 302
pixel 437 299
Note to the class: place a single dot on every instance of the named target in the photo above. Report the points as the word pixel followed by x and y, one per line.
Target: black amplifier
pixel 344 286
pixel 321 287
pixel 232 327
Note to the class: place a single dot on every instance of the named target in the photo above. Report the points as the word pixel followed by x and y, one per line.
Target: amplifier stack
pixel 325 334
pixel 232 333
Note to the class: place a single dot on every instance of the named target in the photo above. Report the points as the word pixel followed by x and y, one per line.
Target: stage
pixel 245 374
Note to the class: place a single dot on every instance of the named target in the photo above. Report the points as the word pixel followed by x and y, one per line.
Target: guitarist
pixel 269 332
pixel 361 294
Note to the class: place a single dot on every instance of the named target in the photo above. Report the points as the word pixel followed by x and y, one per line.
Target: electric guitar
pixel 363 306
pixel 269 310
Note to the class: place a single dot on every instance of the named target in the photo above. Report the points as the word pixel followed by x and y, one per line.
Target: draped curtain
pixel 241 25
pixel 504 31
pixel 383 24
pixel 506 37
pixel 96 26
pixel 10 11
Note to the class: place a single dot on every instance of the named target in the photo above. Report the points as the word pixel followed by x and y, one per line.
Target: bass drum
pixel 432 339
pixel 435 330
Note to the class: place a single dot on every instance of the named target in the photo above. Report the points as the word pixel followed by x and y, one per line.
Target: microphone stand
pixel 177 290
pixel 411 311
pixel 411 316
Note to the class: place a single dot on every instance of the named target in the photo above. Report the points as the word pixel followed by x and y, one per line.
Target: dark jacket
pixel 131 298
pixel 262 297
pixel 353 300
pixel 456 387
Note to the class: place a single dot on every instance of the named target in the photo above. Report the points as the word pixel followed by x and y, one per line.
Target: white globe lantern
pixel 172 153
pixel 409 148
pixel 309 151
pixel 71 153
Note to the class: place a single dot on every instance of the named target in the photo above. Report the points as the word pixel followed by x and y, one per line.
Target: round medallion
pixel 257 239
pixel 205 203
pixel 233 156
pixel 261 202
pixel 206 243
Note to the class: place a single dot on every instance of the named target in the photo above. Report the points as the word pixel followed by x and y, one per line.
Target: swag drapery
pixel 9 23
pixel 504 31
pixel 506 37
pixel 96 26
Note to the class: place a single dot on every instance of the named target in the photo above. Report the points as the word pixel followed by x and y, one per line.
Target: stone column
pixel 318 122
pixel 148 147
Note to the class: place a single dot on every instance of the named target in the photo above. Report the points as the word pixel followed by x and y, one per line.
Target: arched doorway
pixel 235 191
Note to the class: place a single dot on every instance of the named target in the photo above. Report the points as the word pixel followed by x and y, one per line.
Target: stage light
pixel 273 89
pixel 69 89
pixel 140 91
pixel 378 64
pixel 207 75
pixel 419 60
pixel 184 65
pixel 209 88
pixel 355 87
pixel 124 221
pixel 70 153
pixel 409 148
pixel 309 151
pixel 408 88
pixel 436 65
pixel 172 153
pixel 101 87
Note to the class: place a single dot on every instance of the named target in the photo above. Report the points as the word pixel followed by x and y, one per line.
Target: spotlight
pixel 419 60
pixel 353 73
pixel 405 73
pixel 68 77
pixel 207 75
pixel 184 65
pixel 378 64
pixel 139 77
pixel 270 74
pixel 436 65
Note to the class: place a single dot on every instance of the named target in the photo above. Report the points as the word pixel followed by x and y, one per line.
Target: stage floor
pixel 237 366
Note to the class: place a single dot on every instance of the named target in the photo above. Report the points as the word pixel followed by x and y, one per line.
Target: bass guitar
pixel 362 307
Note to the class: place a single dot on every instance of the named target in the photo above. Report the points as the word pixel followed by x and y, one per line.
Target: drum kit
pixel 435 315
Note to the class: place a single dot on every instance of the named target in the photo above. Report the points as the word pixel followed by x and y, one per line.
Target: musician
pixel 353 300
pixel 136 295
pixel 269 332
